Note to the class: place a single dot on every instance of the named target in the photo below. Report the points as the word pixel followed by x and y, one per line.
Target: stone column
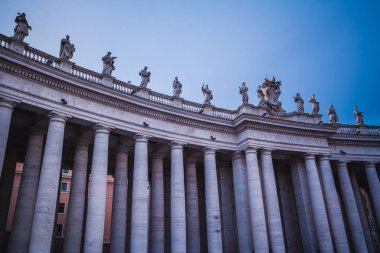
pixel 96 209
pixel 318 206
pixel 44 213
pixel 256 202
pixel 242 203
pixel 119 203
pixel 352 212
pixel 333 208
pixel 374 187
pixel 276 236
pixel 75 211
pixel 139 218
pixel 26 198
pixel 157 221
pixel 192 211
pixel 177 199
pixel 6 109
pixel 214 230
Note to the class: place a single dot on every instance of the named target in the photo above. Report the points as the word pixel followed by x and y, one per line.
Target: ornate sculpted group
pixel 268 93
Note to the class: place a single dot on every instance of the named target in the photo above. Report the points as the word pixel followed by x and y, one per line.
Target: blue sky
pixel 329 48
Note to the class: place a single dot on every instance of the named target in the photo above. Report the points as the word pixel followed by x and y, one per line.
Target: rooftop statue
pixel 271 91
pixel 22 27
pixel 108 64
pixel 300 103
pixel 145 77
pixel 358 117
pixel 314 104
pixel 261 96
pixel 67 49
pixel 243 90
pixel 177 87
pixel 333 117
pixel 208 94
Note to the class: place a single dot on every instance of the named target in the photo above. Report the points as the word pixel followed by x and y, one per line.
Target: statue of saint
pixel 208 94
pixel 358 117
pixel 243 90
pixel 314 104
pixel 260 95
pixel 300 103
pixel 145 77
pixel 270 90
pixel 177 87
pixel 22 27
pixel 333 117
pixel 108 64
pixel 67 49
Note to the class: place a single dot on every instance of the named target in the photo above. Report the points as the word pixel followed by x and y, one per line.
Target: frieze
pixel 354 143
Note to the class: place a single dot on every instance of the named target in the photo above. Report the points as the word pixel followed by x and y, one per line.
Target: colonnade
pixel 258 213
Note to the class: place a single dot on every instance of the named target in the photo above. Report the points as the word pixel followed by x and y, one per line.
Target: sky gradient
pixel 329 48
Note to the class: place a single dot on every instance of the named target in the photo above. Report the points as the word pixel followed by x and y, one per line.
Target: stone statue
pixel 22 27
pixel 108 64
pixel 145 77
pixel 314 104
pixel 270 90
pixel 300 103
pixel 333 117
pixel 358 117
pixel 243 90
pixel 177 87
pixel 208 94
pixel 67 49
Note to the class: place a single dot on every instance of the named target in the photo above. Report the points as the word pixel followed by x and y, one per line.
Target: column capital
pixel 10 104
pixel 209 150
pixel 266 151
pixel 102 128
pixel 58 117
pixel 158 155
pixel 177 145
pixel 190 161
pixel 251 149
pixel 309 156
pixel 236 155
pixel 84 142
pixel 324 157
pixel 369 164
pixel 139 137
pixel 342 163
pixel 37 131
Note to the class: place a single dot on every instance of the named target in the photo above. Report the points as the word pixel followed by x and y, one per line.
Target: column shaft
pixel 272 208
pixel 6 109
pixel 374 188
pixel 44 213
pixel 96 209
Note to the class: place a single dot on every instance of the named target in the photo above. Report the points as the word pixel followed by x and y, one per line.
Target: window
pixel 59 230
pixel 65 171
pixel 64 187
pixel 61 207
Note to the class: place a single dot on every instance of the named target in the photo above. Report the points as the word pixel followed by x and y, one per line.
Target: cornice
pixel 346 142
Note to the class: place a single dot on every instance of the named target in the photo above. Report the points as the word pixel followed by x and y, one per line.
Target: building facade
pixel 188 177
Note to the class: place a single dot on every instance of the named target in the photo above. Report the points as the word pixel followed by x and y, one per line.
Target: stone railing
pixel 4 41
pixel 86 74
pixel 223 113
pixel 123 86
pixel 192 106
pixel 40 56
pixel 160 98
pixel 367 130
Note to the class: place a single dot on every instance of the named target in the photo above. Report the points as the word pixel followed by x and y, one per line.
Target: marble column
pixel 96 209
pixel 256 202
pixel 75 211
pixel 44 213
pixel 6 109
pixel 26 198
pixel 177 200
pixel 272 208
pixel 374 188
pixel 119 202
pixel 139 218
pixel 318 206
pixel 214 230
pixel 157 213
pixel 242 203
pixel 192 211
pixel 352 212
pixel 333 208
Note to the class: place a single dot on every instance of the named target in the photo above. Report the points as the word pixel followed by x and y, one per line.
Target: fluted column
pixel 6 109
pixel 256 202
pixel 276 236
pixel 139 219
pixel 75 211
pixel 44 213
pixel 119 203
pixel 214 230
pixel 352 212
pixel 333 208
pixel 177 200
pixel 242 203
pixel 26 198
pixel 157 217
pixel 374 188
pixel 318 205
pixel 96 209
pixel 192 209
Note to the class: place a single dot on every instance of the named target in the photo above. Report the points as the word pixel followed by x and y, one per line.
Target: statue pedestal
pixel 177 102
pixel 143 92
pixel 66 66
pixel 107 80
pixel 17 46
pixel 208 110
